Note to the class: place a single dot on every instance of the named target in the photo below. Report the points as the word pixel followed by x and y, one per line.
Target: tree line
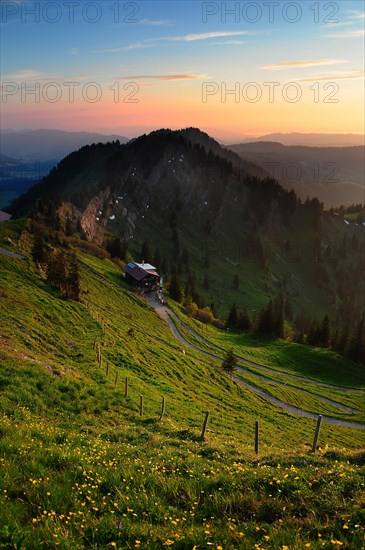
pixel 61 268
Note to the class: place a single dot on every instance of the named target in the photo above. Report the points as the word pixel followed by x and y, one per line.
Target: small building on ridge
pixel 142 276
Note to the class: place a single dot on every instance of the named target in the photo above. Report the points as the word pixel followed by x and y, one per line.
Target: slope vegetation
pixel 81 467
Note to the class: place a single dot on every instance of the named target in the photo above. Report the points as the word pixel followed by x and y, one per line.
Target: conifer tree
pixel 265 320
pixel 244 322
pixel 56 270
pixel 73 279
pixel 278 318
pixel 236 282
pixel 206 282
pixel 146 252
pixel 325 332
pixel 229 362
pixel 232 317
pixel 175 287
pixel 39 249
pixel 356 349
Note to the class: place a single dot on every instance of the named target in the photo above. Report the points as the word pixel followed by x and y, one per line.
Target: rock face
pixel 93 214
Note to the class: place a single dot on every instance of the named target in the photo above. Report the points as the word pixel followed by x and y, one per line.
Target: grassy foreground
pixel 80 468
pixel 142 486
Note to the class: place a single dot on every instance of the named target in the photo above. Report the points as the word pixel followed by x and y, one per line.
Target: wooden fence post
pixel 141 405
pixel 116 379
pixel 257 437
pixel 126 386
pixel 163 407
pixel 205 424
pixel 316 435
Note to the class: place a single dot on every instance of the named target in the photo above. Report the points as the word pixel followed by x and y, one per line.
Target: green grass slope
pixel 80 468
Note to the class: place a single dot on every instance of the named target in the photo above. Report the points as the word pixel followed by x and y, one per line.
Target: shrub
pixel 217 323
pixel 204 315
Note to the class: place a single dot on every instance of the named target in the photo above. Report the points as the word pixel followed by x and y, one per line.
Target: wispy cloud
pixel 354 74
pixel 73 51
pixel 156 22
pixel 203 36
pixel 228 42
pixel 25 74
pixel 186 76
pixel 357 15
pixel 129 47
pixel 358 33
pixel 303 63
pixel 354 18
pixel 158 41
pixel 31 75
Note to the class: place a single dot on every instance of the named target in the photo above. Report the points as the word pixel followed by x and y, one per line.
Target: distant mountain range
pixel 47 145
pixel 28 155
pixel 311 139
pixel 335 175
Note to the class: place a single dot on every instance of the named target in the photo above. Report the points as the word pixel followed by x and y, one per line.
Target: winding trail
pixel 215 353
pixel 172 321
pixel 7 252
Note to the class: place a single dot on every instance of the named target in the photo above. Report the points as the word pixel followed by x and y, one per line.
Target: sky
pixel 233 69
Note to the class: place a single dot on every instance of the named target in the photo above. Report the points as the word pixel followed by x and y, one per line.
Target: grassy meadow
pixel 82 468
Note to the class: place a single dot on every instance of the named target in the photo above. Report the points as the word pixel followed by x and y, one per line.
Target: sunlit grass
pixel 81 468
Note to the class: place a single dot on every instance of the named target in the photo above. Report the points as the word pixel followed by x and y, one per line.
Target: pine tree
pixel 232 317
pixel 115 248
pixel 146 252
pixel 164 266
pixel 68 227
pixel 206 259
pixel 229 362
pixel 325 332
pixel 342 342
pixel 157 259
pixel 236 282
pixel 214 310
pixel 39 249
pixel 56 270
pixel 314 334
pixel 356 349
pixel 185 259
pixel 125 251
pixel 176 244
pixel 175 287
pixel 265 322
pixel 244 322
pixel 288 310
pixel 278 318
pixel 206 282
pixel 335 339
pixel 73 279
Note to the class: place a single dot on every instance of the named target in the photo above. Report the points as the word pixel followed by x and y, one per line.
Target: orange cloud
pixel 303 63
pixel 187 76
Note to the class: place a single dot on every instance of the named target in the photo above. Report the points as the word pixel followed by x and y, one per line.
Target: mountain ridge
pixel 231 235
pixel 333 174
pixel 311 139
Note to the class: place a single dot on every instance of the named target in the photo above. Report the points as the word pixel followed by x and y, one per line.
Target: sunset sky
pixel 131 67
